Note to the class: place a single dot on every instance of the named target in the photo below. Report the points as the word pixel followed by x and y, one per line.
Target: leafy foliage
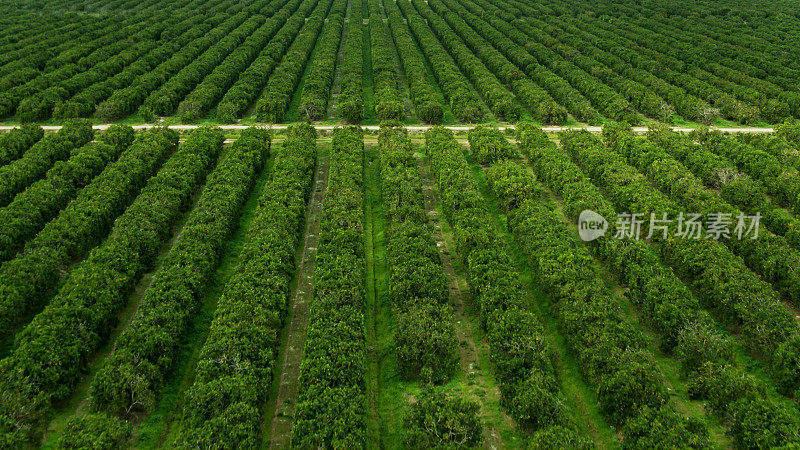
pixel 235 368
pixel 131 378
pixel 441 420
pixel 26 280
pixel 53 351
pixel 425 339
pixel 42 200
pixel 331 393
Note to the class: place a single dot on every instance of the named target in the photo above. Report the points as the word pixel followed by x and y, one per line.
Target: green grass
pixel 383 373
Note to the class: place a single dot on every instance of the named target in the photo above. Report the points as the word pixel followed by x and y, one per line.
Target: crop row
pixel 250 82
pixel 385 79
pixel 769 255
pixel 422 91
pixel 78 58
pixel 227 71
pixel 780 180
pixel 513 44
pixel 26 280
pixel 350 103
pixel 322 68
pixel 19 174
pixel 131 379
pixel 53 351
pixel 502 102
pixel 167 97
pixel 663 52
pixel 125 101
pixel 114 57
pixel 41 201
pixel 274 101
pixel 223 405
pixel 533 97
pixel 630 389
pixel 706 355
pixel 464 101
pixel 425 339
pixel 331 394
pixel 783 144
pixel 717 276
pixel 719 172
pixel 525 361
pixel 17 141
pixel 84 103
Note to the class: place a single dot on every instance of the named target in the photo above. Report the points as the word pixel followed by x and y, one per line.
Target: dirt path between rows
pixel 411 128
pixel 280 410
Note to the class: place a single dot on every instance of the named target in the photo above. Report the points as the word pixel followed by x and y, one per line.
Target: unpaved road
pixel 411 128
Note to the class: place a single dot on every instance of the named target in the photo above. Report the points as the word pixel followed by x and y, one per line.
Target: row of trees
pixel 734 102
pixel 77 56
pixel 502 102
pixel 42 200
pixel 331 389
pixel 223 406
pixel 208 93
pixel 652 48
pixel 783 144
pixel 131 379
pixel 422 91
pixel 38 97
pixel 755 43
pixel 607 101
pixel 512 43
pixel 53 351
pixel 322 69
pixel 525 362
pixel 26 280
pixel 706 354
pixel 612 353
pixel 770 256
pixel 126 101
pixel 350 103
pixel 631 80
pixel 248 86
pixel 465 103
pixel 43 40
pixel 776 97
pixel 274 101
pixel 165 100
pixel 19 174
pixel 385 79
pixel 17 141
pixel 717 276
pixel 781 181
pixel 529 94
pixel 738 189
pixel 84 103
pixel 425 337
